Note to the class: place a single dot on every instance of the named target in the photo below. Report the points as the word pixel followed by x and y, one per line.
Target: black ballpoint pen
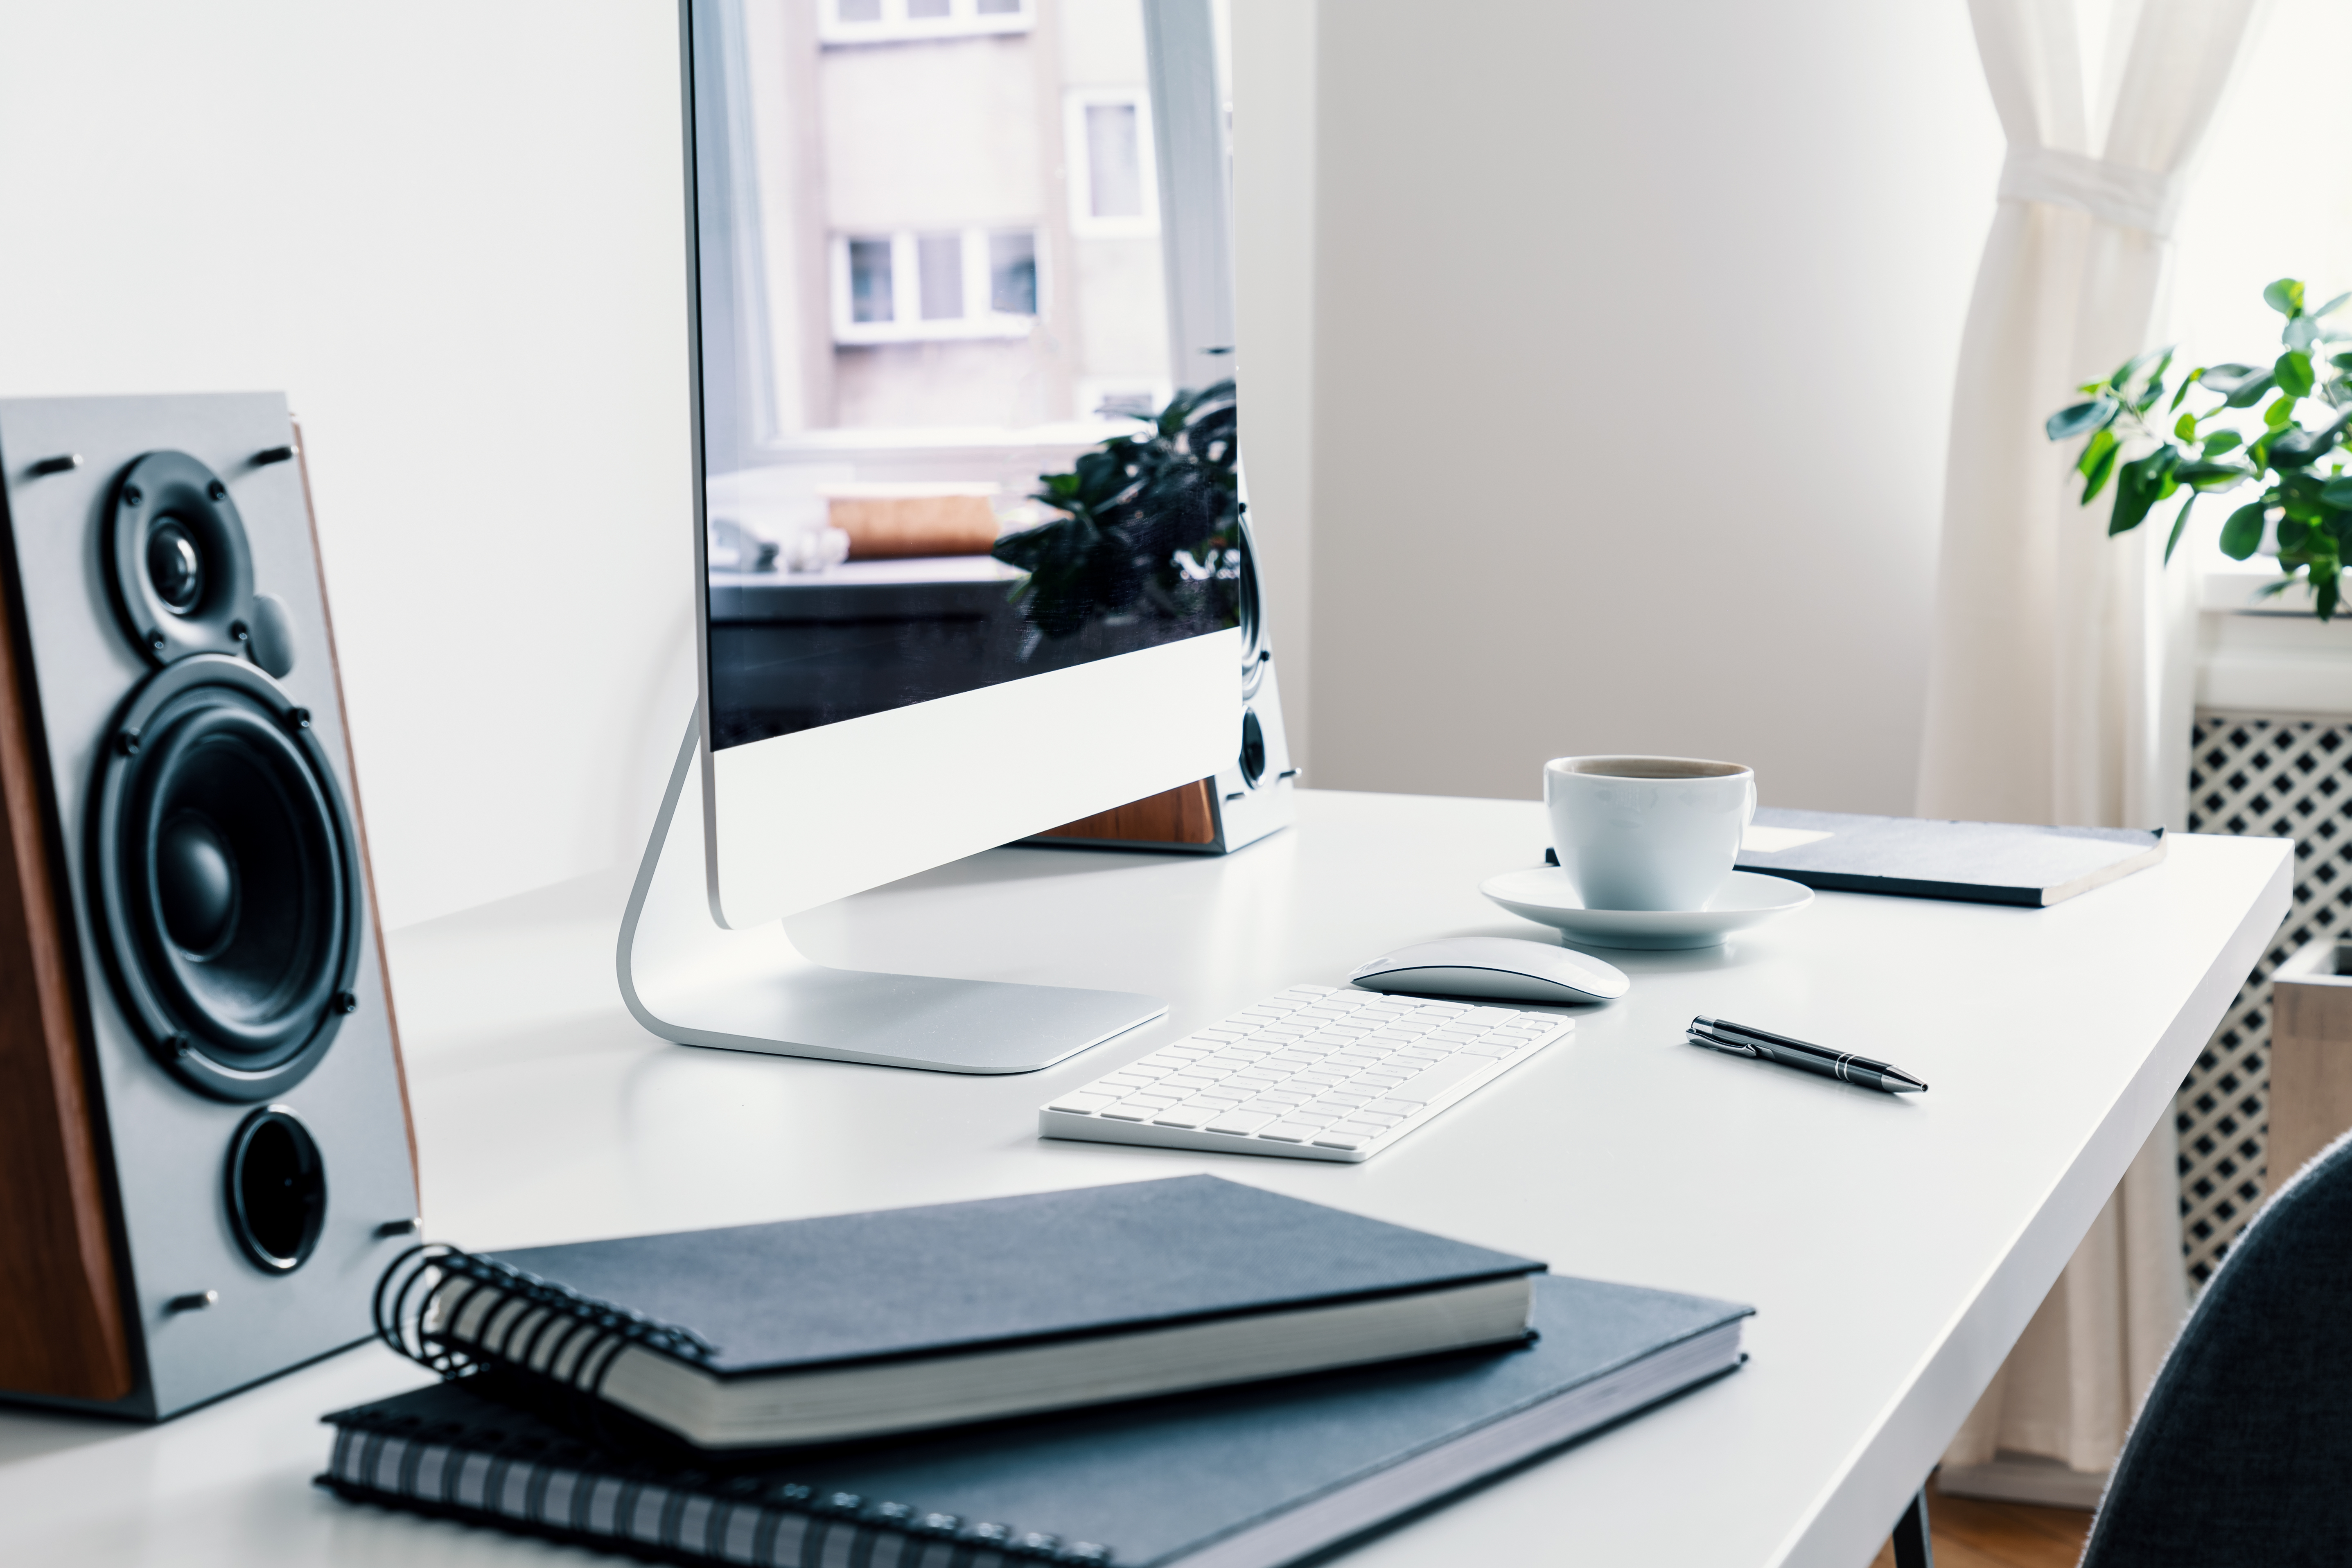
pixel 1739 1040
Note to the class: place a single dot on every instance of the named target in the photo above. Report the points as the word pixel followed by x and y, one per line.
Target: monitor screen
pixel 941 444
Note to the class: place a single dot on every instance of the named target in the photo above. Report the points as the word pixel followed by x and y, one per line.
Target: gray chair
pixel 2244 1454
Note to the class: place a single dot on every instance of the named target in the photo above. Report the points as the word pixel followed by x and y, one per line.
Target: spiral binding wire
pixel 602 1330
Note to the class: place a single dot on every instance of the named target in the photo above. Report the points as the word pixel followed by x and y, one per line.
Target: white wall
pixel 1634 338
pixel 451 231
pixel 1601 352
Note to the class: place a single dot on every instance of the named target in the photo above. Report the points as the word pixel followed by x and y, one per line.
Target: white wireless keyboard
pixel 1310 1073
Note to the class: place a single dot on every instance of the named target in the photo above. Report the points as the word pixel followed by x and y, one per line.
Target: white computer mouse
pixel 1497 966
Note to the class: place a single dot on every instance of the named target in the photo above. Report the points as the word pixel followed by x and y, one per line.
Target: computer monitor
pixel 868 289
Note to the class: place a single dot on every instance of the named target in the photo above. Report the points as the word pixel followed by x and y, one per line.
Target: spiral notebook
pixel 858 1325
pixel 1235 1478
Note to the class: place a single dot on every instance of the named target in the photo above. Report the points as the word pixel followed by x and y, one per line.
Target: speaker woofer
pixel 178 560
pixel 276 1190
pixel 226 872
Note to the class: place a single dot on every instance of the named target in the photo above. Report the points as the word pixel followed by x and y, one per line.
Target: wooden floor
pixel 1972 1533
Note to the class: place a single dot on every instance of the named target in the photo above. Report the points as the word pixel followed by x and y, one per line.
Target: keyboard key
pixel 1243 1122
pixel 1123 1112
pixel 1291 1133
pixel 1350 1142
pixel 1434 1081
pixel 1084 1104
pixel 1394 1107
pixel 1283 1096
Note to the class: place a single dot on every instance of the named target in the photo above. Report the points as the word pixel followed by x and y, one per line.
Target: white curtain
pixel 2058 688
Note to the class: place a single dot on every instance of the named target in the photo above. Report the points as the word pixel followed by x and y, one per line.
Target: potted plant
pixel 2304 492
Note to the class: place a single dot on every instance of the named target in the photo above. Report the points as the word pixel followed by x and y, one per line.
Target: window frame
pixel 980 320
pixel 964 20
pixel 1078 158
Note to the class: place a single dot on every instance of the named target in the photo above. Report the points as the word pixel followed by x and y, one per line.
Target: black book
pixel 1235 1478
pixel 1922 858
pixel 821 1330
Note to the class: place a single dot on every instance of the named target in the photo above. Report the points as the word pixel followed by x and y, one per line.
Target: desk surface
pixel 1894 1248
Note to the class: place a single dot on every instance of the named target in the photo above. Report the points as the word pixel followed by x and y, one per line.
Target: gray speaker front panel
pixel 168 1142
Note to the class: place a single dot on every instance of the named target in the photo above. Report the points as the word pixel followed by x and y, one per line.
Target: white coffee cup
pixel 1647 833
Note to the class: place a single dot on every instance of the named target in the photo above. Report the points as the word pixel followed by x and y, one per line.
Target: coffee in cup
pixel 1647 833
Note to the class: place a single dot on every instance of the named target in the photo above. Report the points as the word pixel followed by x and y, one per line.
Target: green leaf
pixel 2129 370
pixel 2186 426
pixel 2241 532
pixel 2300 334
pixel 2079 417
pixel 2241 385
pixel 2277 415
pixel 2291 532
pixel 2338 493
pixel 2099 461
pixel 2139 485
pixel 2222 441
pixel 2285 296
pixel 2206 474
pixel 2294 447
pixel 2293 372
pixel 2273 589
pixel 2191 379
pixel 2335 305
pixel 2177 525
pixel 2323 591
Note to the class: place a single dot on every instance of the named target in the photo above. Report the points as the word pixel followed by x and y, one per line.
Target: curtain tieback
pixel 2112 193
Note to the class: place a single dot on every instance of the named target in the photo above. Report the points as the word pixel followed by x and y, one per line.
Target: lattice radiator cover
pixel 2278 777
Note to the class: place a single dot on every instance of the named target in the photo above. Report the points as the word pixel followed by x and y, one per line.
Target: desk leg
pixel 1911 1547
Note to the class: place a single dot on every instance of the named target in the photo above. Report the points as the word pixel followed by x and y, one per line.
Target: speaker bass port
pixel 276 1190
pixel 226 875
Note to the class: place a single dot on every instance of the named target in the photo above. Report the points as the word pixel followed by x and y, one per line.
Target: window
pixel 1114 187
pixel 958 283
pixel 892 21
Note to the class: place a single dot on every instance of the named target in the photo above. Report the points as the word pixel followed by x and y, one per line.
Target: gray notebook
pixel 816 1330
pixel 1235 1478
pixel 1924 857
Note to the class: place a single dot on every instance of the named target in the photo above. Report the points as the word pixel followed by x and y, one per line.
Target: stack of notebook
pixel 1186 1371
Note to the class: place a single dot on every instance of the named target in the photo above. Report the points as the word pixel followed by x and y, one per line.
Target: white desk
pixel 1894 1248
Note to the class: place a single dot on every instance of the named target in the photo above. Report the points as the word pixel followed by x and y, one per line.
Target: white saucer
pixel 1542 894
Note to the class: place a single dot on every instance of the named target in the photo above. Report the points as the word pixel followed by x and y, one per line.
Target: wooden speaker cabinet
pixel 206 1160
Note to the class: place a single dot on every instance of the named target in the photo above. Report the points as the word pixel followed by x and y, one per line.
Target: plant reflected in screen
pixel 1150 527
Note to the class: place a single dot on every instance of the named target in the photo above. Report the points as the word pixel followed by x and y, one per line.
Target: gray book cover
pixel 1924 857
pixel 998 1272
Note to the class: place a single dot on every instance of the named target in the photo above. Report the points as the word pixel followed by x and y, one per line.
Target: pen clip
pixel 1729 1048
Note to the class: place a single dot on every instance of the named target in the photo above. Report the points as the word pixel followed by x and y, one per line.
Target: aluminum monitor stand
pixel 690 980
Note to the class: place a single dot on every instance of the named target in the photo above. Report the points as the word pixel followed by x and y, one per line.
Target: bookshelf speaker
pixel 205 1159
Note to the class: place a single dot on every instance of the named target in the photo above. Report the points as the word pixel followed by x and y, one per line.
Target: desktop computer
pixel 872 718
